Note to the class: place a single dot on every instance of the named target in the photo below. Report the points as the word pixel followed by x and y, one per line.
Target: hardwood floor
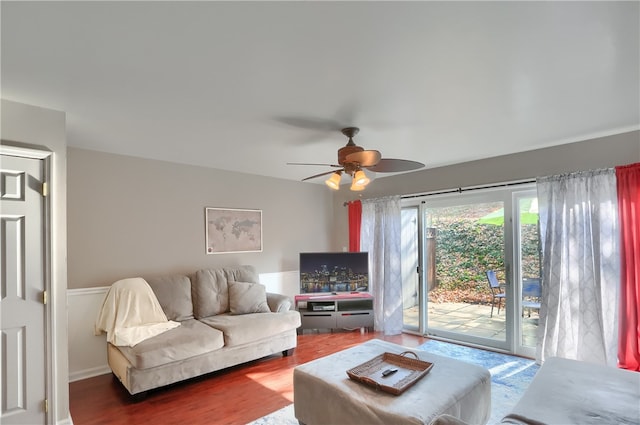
pixel 236 395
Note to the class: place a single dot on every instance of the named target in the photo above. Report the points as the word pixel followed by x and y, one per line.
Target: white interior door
pixel 22 272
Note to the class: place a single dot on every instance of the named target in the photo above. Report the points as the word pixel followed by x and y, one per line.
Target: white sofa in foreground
pixel 571 392
pixel 574 392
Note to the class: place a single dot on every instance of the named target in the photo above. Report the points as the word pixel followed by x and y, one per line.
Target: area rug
pixel 510 376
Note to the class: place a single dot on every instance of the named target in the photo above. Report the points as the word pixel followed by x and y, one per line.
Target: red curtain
pixel 628 186
pixel 355 220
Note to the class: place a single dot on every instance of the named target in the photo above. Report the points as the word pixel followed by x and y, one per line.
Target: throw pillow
pixel 245 297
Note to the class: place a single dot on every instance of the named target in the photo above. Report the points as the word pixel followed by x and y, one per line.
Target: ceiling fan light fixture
pixel 360 178
pixel 334 181
pixel 357 187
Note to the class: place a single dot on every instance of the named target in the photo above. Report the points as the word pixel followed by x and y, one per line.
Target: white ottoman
pixel 324 394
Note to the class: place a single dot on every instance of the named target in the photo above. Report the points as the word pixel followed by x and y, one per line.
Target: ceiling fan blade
pixel 319 175
pixel 305 163
pixel 310 123
pixel 364 158
pixel 395 165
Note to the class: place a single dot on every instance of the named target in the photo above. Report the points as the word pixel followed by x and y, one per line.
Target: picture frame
pixel 229 230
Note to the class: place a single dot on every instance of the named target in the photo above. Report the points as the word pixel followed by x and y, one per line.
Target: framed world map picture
pixel 233 230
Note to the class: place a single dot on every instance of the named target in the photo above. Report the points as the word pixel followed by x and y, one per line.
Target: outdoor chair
pixel 531 294
pixel 496 290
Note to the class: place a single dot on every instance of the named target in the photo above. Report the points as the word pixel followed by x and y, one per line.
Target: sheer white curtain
pixel 380 236
pixel 581 266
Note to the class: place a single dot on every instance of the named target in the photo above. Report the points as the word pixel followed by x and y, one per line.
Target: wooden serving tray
pixel 409 371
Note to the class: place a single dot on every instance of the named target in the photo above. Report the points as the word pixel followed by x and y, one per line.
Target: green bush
pixel 466 249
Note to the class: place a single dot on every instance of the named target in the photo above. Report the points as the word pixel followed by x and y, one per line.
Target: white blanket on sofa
pixel 131 313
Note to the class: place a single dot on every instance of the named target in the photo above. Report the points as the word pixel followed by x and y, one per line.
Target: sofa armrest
pixel 278 302
pixel 447 420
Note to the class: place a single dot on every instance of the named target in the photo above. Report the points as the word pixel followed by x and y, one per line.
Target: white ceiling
pixel 250 86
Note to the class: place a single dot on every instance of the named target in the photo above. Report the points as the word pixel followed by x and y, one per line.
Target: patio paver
pixel 473 319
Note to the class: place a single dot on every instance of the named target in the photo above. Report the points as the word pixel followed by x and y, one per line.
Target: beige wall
pixel 586 155
pixel 136 217
pixel 44 129
pixel 131 216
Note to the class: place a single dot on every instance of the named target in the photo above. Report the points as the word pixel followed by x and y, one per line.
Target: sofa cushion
pixel 210 293
pixel 242 274
pixel 247 328
pixel 245 297
pixel 190 339
pixel 174 295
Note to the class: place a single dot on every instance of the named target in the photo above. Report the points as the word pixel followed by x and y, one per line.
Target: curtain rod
pixel 469 188
pixel 463 189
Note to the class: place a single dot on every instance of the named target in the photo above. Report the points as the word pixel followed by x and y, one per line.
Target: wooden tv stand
pixel 335 311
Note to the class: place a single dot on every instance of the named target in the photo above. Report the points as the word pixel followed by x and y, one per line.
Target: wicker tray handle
pixel 370 381
pixel 410 352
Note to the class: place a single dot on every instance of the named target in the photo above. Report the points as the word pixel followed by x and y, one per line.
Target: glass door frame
pixel 518 319
pixel 510 196
pixel 419 329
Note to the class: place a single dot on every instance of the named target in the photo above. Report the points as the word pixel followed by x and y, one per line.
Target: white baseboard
pixel 89 373
pixel 67 421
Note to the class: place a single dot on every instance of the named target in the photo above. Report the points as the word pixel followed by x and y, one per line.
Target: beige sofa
pixel 575 392
pixel 568 392
pixel 226 318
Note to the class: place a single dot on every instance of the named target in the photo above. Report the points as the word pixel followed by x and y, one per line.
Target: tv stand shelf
pixel 339 311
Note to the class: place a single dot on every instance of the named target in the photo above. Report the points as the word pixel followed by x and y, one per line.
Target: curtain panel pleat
pixel 581 267
pixel 380 236
pixel 628 188
pixel 355 222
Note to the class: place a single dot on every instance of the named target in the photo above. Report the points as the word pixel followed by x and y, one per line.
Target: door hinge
pixel 45 189
pixel 46 406
pixel 44 297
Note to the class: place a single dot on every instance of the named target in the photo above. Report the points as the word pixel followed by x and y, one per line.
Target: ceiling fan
pixel 353 159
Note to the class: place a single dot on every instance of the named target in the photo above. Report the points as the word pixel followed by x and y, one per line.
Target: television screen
pixel 334 272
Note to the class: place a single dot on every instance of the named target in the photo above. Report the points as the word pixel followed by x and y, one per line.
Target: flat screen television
pixel 334 272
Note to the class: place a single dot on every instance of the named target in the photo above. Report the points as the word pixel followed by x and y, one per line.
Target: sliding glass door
pixel 468 255
pixel 410 269
pixel 528 273
pixel 461 304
